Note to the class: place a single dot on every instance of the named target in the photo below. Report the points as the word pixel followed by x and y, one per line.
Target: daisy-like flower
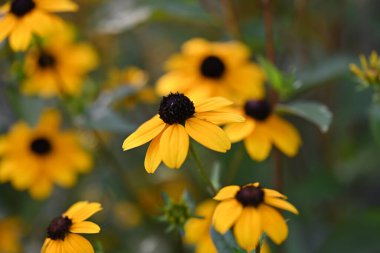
pixel 59 66
pixel 251 211
pixel 36 158
pixel 204 69
pixel 262 129
pixel 20 19
pixel 62 233
pixel 369 73
pixel 177 119
pixel 10 235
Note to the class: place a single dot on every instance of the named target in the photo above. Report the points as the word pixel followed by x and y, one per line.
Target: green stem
pixel 202 170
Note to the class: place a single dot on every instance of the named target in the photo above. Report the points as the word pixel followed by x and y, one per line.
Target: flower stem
pixel 202 170
pixel 231 21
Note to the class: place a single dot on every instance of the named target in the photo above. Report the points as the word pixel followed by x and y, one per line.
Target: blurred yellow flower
pixel 250 209
pixel 197 230
pixel 127 214
pixel 10 235
pixel 179 118
pixel 62 233
pixel 20 19
pixel 370 70
pixel 58 67
pixel 204 69
pixel 262 129
pixel 35 158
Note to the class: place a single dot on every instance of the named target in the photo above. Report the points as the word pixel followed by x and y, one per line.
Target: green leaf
pixel 374 120
pixel 224 243
pixel 313 112
pixel 98 247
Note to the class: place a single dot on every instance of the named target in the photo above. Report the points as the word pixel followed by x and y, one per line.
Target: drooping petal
pixel 206 245
pixel 273 224
pixel 20 36
pixel 238 131
pixel 79 243
pixel 82 210
pixel 273 194
pixel 6 26
pixel 226 214
pixel 208 134
pixel 85 227
pixel 144 133
pixel 41 188
pixel 282 204
pixel 50 120
pixel 258 144
pixel 227 192
pixel 57 5
pixel 211 104
pixel 46 245
pixel 174 145
pixel 248 229
pixel 153 157
pixel 220 117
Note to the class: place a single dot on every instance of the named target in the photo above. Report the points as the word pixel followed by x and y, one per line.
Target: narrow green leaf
pixel 224 243
pixel 98 248
pixel 374 120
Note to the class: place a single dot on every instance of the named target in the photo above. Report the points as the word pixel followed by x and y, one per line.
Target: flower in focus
pixel 35 158
pixel 10 235
pixel 205 69
pixel 262 129
pixel 62 233
pixel 20 19
pixel 250 210
pixel 197 230
pixel 58 67
pixel 177 119
pixel 369 73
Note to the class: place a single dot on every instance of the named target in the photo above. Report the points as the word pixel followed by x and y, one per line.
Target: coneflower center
pixel 258 109
pixel 212 67
pixel 176 108
pixel 59 228
pixel 41 146
pixel 250 196
pixel 46 60
pixel 22 7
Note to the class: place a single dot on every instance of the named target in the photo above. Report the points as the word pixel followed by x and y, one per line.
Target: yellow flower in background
pixel 10 235
pixel 204 69
pixel 262 129
pixel 36 158
pixel 369 73
pixel 62 233
pixel 127 214
pixel 20 19
pixel 59 66
pixel 179 118
pixel 251 211
pixel 197 230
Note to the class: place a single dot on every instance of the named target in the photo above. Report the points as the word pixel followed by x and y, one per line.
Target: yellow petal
pixel 220 117
pixel 153 157
pixel 79 243
pixel 211 104
pixel 206 245
pixel 45 246
pixel 273 194
pixel 238 131
pixel 50 120
pixel 282 204
pixel 227 192
pixel 41 189
pixel 273 224
pixel 20 36
pixel 7 24
pixel 144 133
pixel 56 5
pixel 85 227
pixel 208 134
pixel 258 144
pixel 82 210
pixel 174 145
pixel 196 46
pixel 226 214
pixel 247 229
pixel 265 247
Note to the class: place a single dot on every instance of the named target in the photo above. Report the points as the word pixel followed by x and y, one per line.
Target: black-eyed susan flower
pixel 62 233
pixel 59 66
pixel 262 129
pixel 369 73
pixel 250 210
pixel 36 158
pixel 197 230
pixel 20 19
pixel 10 235
pixel 204 69
pixel 177 119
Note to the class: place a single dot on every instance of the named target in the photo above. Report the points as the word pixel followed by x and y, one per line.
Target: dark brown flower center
pixel 176 108
pixel 46 60
pixel 59 228
pixel 250 196
pixel 258 109
pixel 41 146
pixel 22 7
pixel 212 67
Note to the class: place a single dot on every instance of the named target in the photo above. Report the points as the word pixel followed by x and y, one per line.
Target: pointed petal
pixel 208 134
pixel 79 243
pixel 258 144
pixel 174 145
pixel 57 5
pixel 247 229
pixel 273 224
pixel 220 117
pixel 282 204
pixel 227 192
pixel 273 194
pixel 238 131
pixel 7 24
pixel 21 36
pixel 226 214
pixel 153 157
pixel 82 210
pixel 46 245
pixel 144 133
pixel 85 227
pixel 211 104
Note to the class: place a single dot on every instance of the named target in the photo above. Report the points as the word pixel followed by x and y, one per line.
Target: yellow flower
pixel 179 118
pixel 58 67
pixel 205 69
pixel 20 19
pixel 62 233
pixel 10 235
pixel 250 209
pixel 370 71
pixel 35 158
pixel 262 129
pixel 197 230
